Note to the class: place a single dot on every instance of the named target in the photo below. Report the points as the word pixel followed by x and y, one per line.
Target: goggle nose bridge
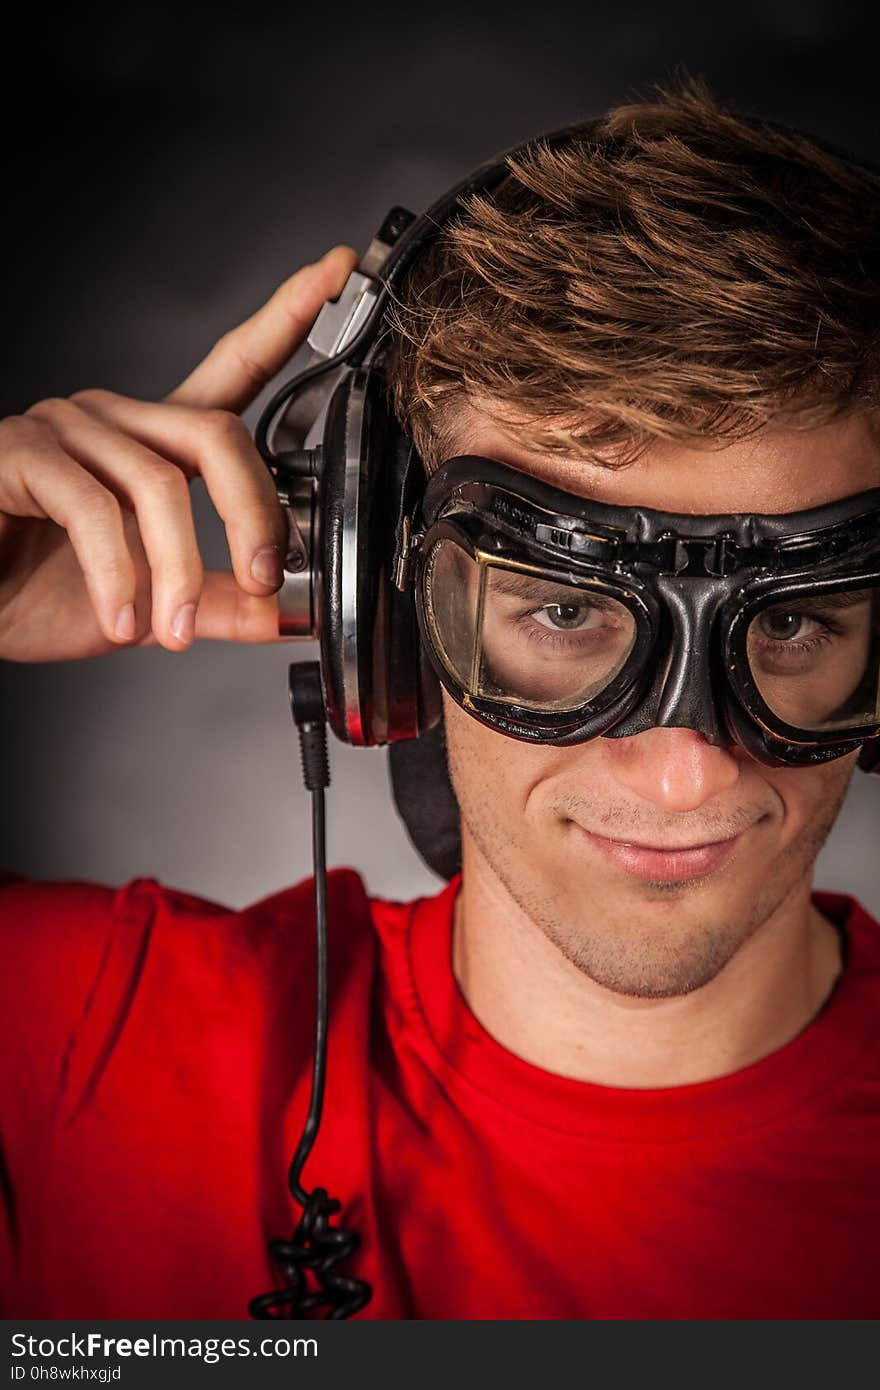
pixel 691 694
pixel 685 692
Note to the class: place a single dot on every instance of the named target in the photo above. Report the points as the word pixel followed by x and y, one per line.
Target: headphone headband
pixel 347 328
pixel 429 224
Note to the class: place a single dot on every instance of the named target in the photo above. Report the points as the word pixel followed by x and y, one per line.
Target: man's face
pixel 568 833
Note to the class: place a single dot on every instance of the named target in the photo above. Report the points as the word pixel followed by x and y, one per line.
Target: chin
pixel 649 955
pixel 643 969
pixel 643 939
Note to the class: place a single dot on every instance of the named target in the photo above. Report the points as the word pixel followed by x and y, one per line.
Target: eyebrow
pixel 848 599
pixel 526 586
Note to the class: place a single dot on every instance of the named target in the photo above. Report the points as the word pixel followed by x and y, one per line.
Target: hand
pixel 97 541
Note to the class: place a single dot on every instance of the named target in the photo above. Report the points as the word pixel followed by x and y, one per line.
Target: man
pixel 627 1066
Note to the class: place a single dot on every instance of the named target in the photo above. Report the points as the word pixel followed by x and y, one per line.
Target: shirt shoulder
pixel 78 960
pixel 860 931
pixel 850 1019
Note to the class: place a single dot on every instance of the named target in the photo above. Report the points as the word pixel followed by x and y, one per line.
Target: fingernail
pixel 126 623
pixel 183 624
pixel 266 566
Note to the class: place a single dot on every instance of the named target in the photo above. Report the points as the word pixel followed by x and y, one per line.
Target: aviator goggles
pixel 557 619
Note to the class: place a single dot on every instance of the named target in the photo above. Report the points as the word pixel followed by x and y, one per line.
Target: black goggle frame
pixel 723 570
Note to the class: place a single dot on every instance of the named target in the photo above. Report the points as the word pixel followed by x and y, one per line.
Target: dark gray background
pixel 164 171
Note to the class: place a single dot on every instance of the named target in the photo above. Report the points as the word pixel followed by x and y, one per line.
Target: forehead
pixel 776 470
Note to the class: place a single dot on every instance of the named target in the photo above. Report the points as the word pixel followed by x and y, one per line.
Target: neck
pixel 539 1006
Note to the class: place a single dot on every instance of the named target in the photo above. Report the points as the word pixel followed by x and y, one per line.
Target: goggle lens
pixel 815 660
pixel 509 635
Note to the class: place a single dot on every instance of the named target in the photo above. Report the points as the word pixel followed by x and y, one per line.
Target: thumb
pixel 228 614
pixel 244 359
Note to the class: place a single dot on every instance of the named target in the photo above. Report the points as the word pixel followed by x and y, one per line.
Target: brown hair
pixel 672 272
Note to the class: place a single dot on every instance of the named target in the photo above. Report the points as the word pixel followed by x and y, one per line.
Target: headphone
pixel 349 496
pixel 348 476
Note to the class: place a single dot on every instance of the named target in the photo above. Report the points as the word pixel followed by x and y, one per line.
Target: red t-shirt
pixel 157 1078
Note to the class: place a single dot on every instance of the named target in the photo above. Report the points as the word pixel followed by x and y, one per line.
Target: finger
pixel 42 480
pixel 157 492
pixel 229 615
pixel 215 444
pixel 248 356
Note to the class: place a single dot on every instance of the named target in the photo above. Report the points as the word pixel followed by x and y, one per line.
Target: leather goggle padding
pixel 481 485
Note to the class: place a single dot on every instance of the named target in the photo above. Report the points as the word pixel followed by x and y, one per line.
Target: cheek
pixel 508 784
pixel 491 773
pixel 811 795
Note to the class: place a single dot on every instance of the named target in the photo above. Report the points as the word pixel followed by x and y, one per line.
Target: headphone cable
pixel 315 1245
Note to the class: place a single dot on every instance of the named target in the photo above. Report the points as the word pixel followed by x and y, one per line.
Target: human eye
pixel 814 659
pixel 787 637
pixel 794 628
pixel 568 617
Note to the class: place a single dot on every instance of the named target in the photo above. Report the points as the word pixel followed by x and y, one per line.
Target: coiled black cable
pixel 315 1246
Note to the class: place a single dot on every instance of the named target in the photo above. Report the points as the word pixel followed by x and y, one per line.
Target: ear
pixel 869 757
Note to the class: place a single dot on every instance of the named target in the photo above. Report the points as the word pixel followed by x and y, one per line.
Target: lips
pixel 675 865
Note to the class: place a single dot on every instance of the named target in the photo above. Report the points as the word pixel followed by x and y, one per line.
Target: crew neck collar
pixel 765 1091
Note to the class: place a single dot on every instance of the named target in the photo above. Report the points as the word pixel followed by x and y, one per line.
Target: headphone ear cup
pixel 377 686
pixel 411 690
pixel 425 800
pixel 327 557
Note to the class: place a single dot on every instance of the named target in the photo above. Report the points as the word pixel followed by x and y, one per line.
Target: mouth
pixel 674 864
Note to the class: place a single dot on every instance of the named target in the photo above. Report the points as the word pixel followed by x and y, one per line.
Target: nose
pixel 677 769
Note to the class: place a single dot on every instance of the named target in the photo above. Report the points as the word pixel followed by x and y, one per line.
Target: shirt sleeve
pixel 55 942
pixel 53 938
